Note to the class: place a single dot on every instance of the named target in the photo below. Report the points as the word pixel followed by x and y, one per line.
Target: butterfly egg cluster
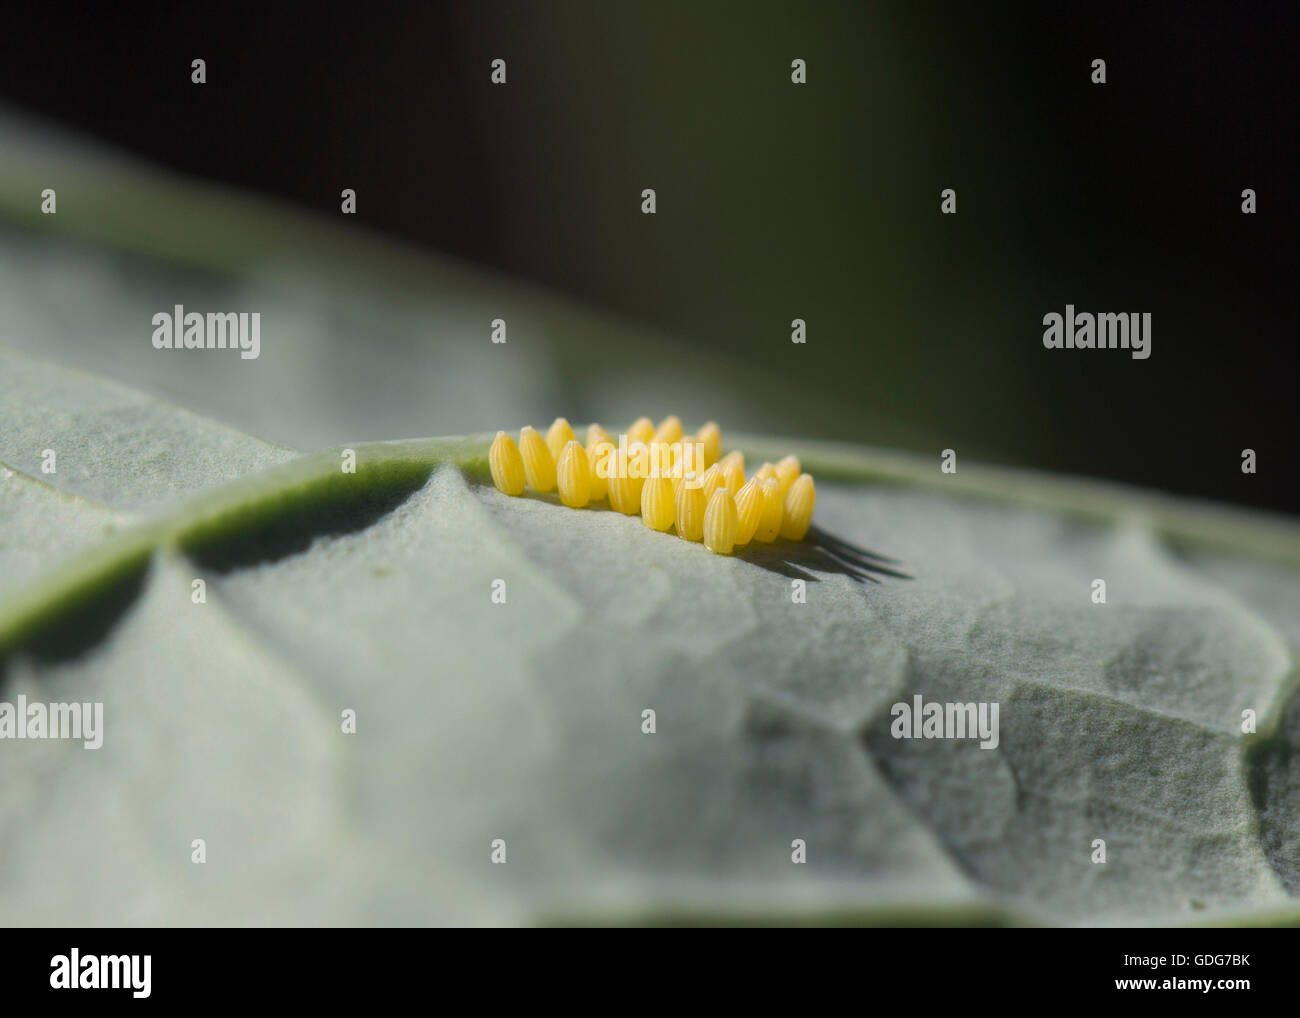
pixel 673 480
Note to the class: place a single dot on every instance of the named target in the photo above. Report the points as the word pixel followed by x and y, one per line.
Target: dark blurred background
pixel 778 201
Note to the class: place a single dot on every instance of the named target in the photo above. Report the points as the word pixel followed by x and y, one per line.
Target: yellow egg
pixel 657 509
pixel 662 456
pixel 798 511
pixel 786 471
pixel 642 431
pixel 769 524
pixel 675 454
pixel 624 489
pixel 539 464
pixel 506 464
pixel 733 475
pixel 638 462
pixel 669 430
pixel 691 456
pixel 735 456
pixel 573 475
pixel 559 435
pixel 690 506
pixel 720 523
pixel 710 436
pixel 749 510
pixel 600 457
pixel 710 481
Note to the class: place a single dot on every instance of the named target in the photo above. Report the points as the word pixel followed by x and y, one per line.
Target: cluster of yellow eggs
pixel 672 479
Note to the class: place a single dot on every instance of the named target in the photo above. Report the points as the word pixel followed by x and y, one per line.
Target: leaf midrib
pixel 219 510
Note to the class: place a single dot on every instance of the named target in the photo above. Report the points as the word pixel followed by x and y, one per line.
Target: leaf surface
pixel 521 721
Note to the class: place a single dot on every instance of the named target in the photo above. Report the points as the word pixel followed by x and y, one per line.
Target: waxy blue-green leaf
pixel 327 592
pixel 371 592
